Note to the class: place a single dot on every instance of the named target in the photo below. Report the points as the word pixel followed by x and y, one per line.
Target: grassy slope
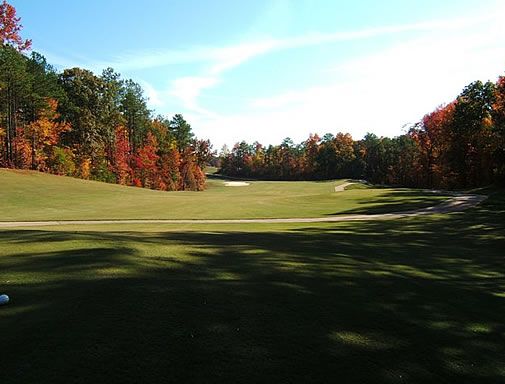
pixel 418 300
pixel 36 196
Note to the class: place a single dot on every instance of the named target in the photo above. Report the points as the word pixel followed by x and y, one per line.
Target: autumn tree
pixel 498 116
pixel 170 169
pixel 311 151
pixel 83 91
pixel 44 134
pixel 112 136
pixel 10 27
pixel 99 126
pixel 433 138
pixel 335 155
pixel 192 176
pixel 146 163
pixel 258 159
pixel 471 134
pixel 203 152
pixel 121 157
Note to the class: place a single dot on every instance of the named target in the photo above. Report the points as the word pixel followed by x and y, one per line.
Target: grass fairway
pixel 31 196
pixel 415 300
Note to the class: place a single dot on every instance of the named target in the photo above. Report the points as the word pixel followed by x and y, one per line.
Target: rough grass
pixel 417 300
pixel 26 196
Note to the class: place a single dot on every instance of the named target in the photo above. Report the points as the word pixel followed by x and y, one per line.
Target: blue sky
pixel 266 70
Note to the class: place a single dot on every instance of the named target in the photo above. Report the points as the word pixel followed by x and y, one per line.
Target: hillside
pixel 27 195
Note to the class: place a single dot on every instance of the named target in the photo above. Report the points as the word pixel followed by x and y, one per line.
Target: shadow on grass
pixel 218 176
pixel 396 201
pixel 409 301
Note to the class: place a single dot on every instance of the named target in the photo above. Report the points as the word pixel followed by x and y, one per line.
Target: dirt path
pixel 457 203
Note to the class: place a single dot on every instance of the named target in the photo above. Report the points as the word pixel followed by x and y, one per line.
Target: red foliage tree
pixel 433 139
pixel 146 162
pixel 192 176
pixel 121 157
pixel 170 169
pixel 310 159
pixel 499 128
pixel 10 28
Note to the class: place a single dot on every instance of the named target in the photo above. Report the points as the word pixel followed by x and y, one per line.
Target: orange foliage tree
pixel 121 157
pixel 43 134
pixel 146 163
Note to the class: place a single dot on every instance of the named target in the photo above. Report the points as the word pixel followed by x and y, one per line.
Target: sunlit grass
pixel 32 196
pixel 358 340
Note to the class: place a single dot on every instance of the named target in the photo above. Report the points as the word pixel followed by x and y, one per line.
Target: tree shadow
pixel 218 176
pixel 395 201
pixel 410 301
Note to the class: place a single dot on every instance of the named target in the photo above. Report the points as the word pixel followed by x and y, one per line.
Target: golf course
pixel 63 198
pixel 264 192
pixel 414 299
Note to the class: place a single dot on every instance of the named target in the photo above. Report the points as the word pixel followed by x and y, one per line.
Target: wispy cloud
pixel 378 92
pixel 187 89
pixel 430 62
pixel 218 60
pixel 156 99
pixel 227 57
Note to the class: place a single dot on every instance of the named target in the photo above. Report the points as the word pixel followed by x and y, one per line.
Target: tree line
pixel 79 124
pixel 459 145
pixel 76 123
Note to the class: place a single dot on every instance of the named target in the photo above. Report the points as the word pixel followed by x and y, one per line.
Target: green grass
pixel 415 300
pixel 36 196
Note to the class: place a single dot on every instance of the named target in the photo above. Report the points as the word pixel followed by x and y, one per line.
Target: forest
pixel 458 145
pixel 76 123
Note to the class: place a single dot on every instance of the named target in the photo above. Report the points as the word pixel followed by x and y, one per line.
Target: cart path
pixel 457 203
pixel 341 187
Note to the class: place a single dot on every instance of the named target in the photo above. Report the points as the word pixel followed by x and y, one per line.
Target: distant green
pixel 37 196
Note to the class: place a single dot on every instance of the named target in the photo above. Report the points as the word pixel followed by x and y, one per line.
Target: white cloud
pixel 155 98
pixel 187 89
pixel 379 92
pixel 233 56
pixel 222 59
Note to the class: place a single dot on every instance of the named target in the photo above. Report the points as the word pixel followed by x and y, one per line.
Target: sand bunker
pixel 341 187
pixel 236 184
